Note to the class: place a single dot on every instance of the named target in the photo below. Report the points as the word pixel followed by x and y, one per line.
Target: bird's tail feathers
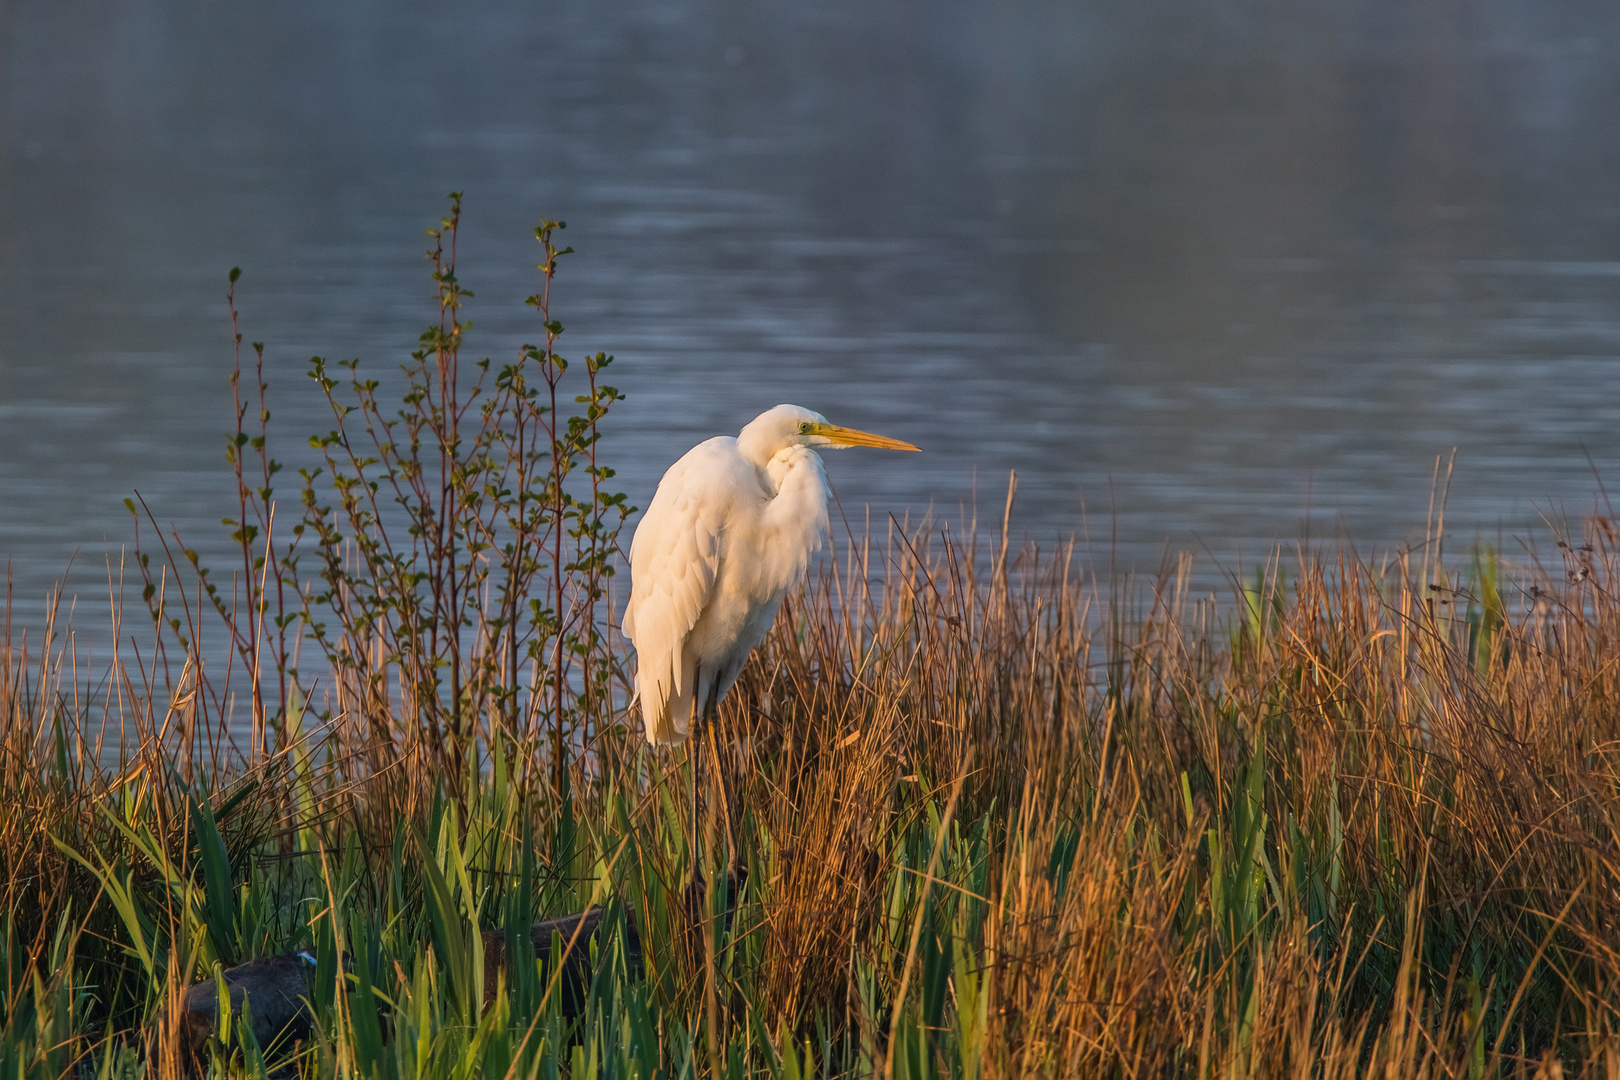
pixel 667 716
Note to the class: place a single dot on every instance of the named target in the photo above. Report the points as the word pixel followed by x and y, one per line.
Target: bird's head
pixel 789 425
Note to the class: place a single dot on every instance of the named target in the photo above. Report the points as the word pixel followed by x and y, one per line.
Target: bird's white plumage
pixel 729 531
pixel 724 539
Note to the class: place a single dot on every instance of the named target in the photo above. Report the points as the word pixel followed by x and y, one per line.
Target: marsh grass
pixel 997 819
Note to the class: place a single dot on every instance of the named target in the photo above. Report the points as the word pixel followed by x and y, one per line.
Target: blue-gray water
pixel 1197 270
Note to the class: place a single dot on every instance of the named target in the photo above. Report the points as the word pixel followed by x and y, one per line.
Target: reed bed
pixel 997 818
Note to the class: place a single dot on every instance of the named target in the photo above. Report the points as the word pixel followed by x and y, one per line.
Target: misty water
pixel 1208 275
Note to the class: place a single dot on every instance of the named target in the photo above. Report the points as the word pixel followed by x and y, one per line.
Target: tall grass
pixel 997 819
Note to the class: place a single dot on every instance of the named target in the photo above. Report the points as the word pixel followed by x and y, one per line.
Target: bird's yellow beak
pixel 843 436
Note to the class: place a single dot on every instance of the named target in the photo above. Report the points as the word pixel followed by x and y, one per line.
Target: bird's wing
pixel 674 562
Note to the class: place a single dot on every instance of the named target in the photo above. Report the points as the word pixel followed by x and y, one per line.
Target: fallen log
pixel 558 933
pixel 278 990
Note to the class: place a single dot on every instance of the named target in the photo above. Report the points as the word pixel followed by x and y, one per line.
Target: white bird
pixel 729 531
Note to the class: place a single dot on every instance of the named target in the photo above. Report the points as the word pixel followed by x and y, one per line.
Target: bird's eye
pixel 804 428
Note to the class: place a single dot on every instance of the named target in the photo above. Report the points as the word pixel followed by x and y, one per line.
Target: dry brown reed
pixel 1359 820
pixel 1366 823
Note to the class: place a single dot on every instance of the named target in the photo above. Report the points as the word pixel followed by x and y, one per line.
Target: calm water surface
pixel 1200 272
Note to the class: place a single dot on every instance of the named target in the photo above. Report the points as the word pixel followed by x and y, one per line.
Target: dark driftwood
pixel 579 929
pixel 276 987
pixel 544 935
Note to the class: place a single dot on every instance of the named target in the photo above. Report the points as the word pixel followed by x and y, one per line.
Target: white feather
pixel 729 531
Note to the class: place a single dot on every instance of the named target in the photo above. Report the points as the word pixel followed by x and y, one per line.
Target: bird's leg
pixel 694 749
pixel 694 757
pixel 725 797
pixel 711 716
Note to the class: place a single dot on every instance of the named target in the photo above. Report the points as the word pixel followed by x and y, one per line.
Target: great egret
pixel 729 531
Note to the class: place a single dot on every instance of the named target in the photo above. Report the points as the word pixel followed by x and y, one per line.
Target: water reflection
pixel 1198 271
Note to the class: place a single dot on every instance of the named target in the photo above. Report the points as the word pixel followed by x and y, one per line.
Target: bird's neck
pixel 756 446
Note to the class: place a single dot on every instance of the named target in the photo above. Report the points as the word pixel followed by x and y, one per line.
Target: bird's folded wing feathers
pixel 674 562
